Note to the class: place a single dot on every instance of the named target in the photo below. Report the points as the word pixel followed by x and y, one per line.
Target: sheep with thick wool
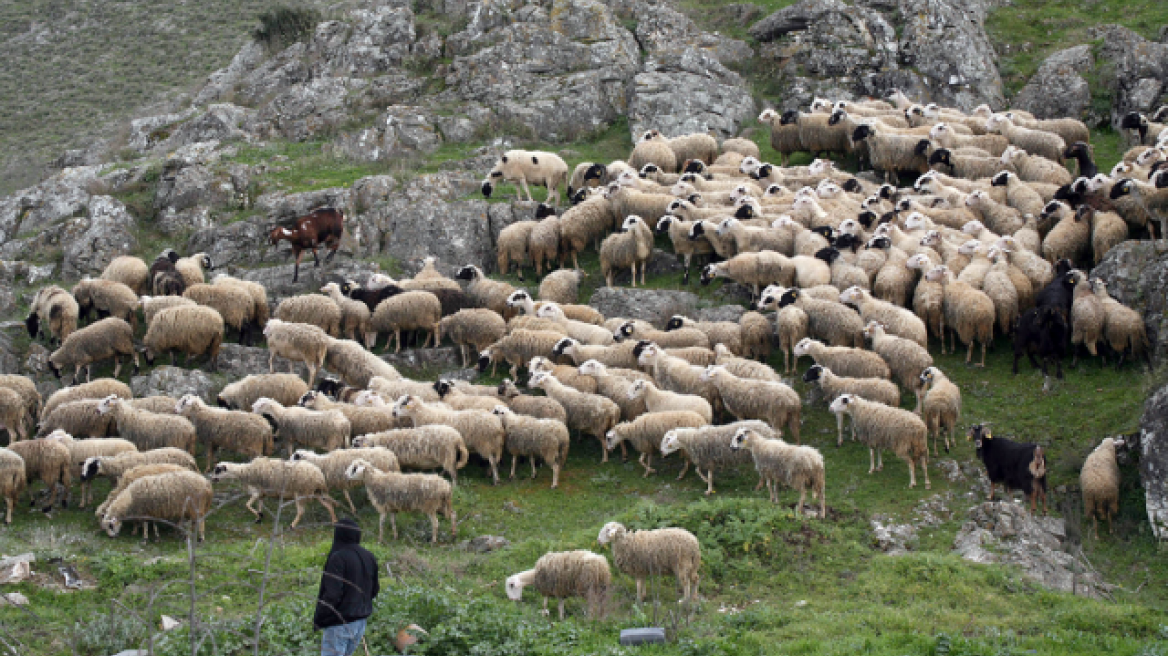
pixel 941 406
pixel 191 330
pixel 587 413
pixel 583 332
pixel 132 474
pixel 618 355
pixel 676 374
pixel 355 315
pixel 1123 328
pixel 285 389
pixel 55 310
pixel 148 430
pixel 625 249
pixel 13 415
pixel 896 320
pixel 233 304
pixel 906 358
pixel 523 167
pixel 779 463
pixel 846 361
pixel 301 427
pixel 107 298
pixel 584 224
pixel 334 464
pixel 668 551
pixel 546 439
pixel 12 480
pixel 297 342
pixel 833 386
pixel 172 496
pixel 192 268
pixel 424 447
pixel 355 365
pixel 239 432
pixel 47 461
pixel 394 492
pixel 561 286
pixel 968 313
pixel 656 399
pixel 511 246
pixel 1099 481
pixel 883 427
pixel 259 297
pixel 481 431
pixel 484 292
pixel 830 321
pixel 26 389
pixel 414 310
pixel 115 467
pixel 277 479
pixel 615 387
pixel 769 401
pixel 152 305
pixel 563 574
pixel 473 330
pixel 646 432
pixel 1035 142
pixel 130 271
pixel 1087 319
pixel 742 367
pixel 727 333
pixel 708 448
pixel 312 309
pixel 81 450
pixel 108 338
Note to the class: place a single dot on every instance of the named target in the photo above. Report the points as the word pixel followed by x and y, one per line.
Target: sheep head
pixel 611 531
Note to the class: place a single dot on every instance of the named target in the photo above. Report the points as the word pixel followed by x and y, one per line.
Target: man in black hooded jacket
pixel 347 589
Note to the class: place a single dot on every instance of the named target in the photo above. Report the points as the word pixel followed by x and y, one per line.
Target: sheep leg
pixel 912 473
pixel 925 470
pixel 969 354
pixel 646 461
pixel 8 502
pixel 299 513
pixel 871 460
pixel 640 590
pixel 393 524
pixel 802 497
pixel 839 429
pixel 494 461
pixel 380 527
pixel 210 457
pixel 982 363
pixel 555 475
pixel 329 505
pixel 879 460
pixel 603 450
pixel 709 481
pixel 514 460
pixel 117 366
pixel 271 362
pixel 624 453
pixel 533 467
pixel 250 505
pixel 350 500
pixel 562 601
pixel 685 468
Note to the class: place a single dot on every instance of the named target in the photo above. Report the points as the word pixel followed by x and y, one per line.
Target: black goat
pixel 1060 292
pixel 1015 465
pixel 1041 331
pixel 1081 152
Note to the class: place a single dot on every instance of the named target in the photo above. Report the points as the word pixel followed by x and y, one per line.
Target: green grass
pixel 1026 32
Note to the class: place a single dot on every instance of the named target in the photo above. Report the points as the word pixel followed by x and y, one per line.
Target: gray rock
pixel 1132 68
pixel 1136 274
pixel 1058 89
pixel 374 40
pixel 427 363
pixel 401 132
pixel 891 538
pixel 221 122
pixel 721 313
pixel 149 131
pixel 1154 461
pixel 185 222
pixel 795 18
pixel 306 110
pixel 1005 532
pixel 222 83
pixel 946 42
pixel 282 71
pixel 174 382
pixel 194 186
pixel 278 279
pixel 11 356
pixel 90 242
pixel 663 262
pixel 236 361
pixel 487 543
pixel 689 91
pixel 652 305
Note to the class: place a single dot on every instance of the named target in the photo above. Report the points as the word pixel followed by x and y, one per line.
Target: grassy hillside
pixel 74 68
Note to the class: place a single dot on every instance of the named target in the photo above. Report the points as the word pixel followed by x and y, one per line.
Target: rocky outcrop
pixel 174 382
pixel 1133 69
pixel 652 305
pixel 1058 89
pixel 829 48
pixel 1154 461
pixel 1136 274
pixel 1005 532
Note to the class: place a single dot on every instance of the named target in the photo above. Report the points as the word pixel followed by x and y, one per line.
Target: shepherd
pixel 347 589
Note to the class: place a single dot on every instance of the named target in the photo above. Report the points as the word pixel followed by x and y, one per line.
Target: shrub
pixel 283 26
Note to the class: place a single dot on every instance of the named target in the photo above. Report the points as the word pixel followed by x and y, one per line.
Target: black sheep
pixel 1041 331
pixel 370 297
pixel 1060 292
pixel 1081 152
pixel 1015 465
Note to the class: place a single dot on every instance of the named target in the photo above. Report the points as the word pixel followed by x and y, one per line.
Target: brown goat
pixel 322 227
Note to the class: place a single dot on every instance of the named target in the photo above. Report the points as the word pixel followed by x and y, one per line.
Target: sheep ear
pixel 534 159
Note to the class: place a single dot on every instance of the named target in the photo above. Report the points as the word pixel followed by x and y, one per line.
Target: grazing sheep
pixel 561 286
pixel 642 554
pixel 355 315
pixel 12 480
pixel 830 321
pixel 531 437
pixel 968 313
pixel 846 361
pixel 1099 481
pixel 906 358
pixel 116 467
pixel 540 407
pixel 152 305
pixel 1071 235
pixel 727 333
pixel 313 309
pixel 108 338
pixel 769 401
pixel 521 167
pixel 232 303
pixel 742 367
pixel 1087 319
pixel 285 389
pixel 1002 291
pixel 191 268
pixel 646 432
pixel 303 428
pixel 897 320
pixel 78 418
pixel 511 246
pixel 618 355
pixel 941 407
pixel 191 330
pixel 1123 327
pixel 298 342
pixel 259 297
pixel 81 451
pixel 633 244
pixel 563 574
pixel 394 492
pixel 518 348
pixel 484 292
pixel 682 337
pixel 108 298
pixel 240 432
pixel 13 415
pixel 98 389
pixel 883 427
pixel 271 478
pixel 661 400
pixel 26 388
pixel 173 496
pixel 481 431
pixel 615 387
pixel 1035 142
pixel 587 413
pixel 53 309
pixel 134 473
pixel 708 447
pixel 475 329
pixel 758 336
pixel 356 365
pixel 130 271
pixel 393 389
pixel 784 133
pixel 1017 466
pixel 148 430
pixel 833 386
pixel 417 310
pixel 798 467
pixel 334 464
pixel 653 151
pixel 47 461
pixel 585 223
pixel 424 447
pixel 587 333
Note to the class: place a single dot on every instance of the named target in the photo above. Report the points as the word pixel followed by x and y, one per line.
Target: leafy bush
pixel 107 634
pixel 283 26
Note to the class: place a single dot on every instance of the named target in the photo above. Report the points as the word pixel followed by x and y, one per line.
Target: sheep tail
pixel 463 456
pixel 563 454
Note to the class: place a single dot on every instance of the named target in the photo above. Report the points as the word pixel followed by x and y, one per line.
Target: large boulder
pixel 1133 69
pixel 174 382
pixel 1136 274
pixel 90 242
pixel 653 305
pixel 1058 89
pixel 1154 461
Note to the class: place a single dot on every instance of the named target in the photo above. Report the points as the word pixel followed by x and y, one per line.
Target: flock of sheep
pixel 852 274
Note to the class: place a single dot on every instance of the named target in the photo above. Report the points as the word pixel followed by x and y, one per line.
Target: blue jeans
pixel 342 640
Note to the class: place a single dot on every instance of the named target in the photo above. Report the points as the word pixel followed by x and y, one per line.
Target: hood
pixel 346 532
